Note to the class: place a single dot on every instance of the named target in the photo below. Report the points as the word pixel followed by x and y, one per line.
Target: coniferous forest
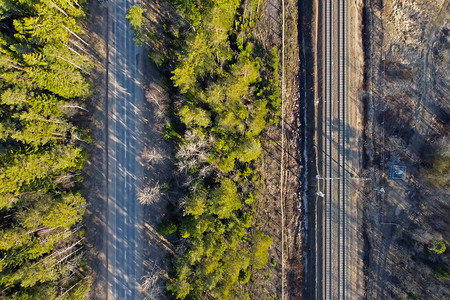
pixel 230 91
pixel 42 86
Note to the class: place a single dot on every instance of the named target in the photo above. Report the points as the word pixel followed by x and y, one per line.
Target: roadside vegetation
pixel 225 96
pixel 42 85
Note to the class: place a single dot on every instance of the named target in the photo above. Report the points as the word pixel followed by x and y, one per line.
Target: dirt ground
pixel 355 164
pixel 407 115
pixel 266 283
pixel 94 184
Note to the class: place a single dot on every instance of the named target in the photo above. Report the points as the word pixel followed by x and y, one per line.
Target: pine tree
pixel 196 205
pixel 261 244
pixel 249 150
pixel 24 169
pixel 38 74
pixel 194 116
pixel 224 199
pixel 66 213
pixel 136 18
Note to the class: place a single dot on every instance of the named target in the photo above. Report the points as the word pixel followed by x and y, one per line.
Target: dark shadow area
pixel 307 149
pixel 94 183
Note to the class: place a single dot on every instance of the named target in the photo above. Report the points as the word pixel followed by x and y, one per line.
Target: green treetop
pixel 135 17
pixel 224 199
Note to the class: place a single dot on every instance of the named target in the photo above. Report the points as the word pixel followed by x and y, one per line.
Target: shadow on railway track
pixel 308 173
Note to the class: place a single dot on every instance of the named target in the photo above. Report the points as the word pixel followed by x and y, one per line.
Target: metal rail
pixel 327 281
pixel 335 225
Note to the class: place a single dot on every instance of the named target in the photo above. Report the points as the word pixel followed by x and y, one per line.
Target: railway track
pixel 332 272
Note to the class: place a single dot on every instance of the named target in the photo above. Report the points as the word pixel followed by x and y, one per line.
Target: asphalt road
pixel 124 99
pixel 334 179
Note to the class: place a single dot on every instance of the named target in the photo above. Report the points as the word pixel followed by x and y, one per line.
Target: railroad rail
pixel 332 272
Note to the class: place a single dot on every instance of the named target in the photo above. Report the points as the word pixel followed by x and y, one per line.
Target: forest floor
pixel 94 184
pixel 406 123
pixel 158 156
pixel 267 282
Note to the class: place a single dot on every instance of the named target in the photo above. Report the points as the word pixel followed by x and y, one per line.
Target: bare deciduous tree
pixel 159 98
pixel 149 286
pixel 151 155
pixel 193 154
pixel 150 194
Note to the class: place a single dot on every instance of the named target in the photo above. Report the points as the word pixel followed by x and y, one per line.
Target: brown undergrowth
pixel 407 123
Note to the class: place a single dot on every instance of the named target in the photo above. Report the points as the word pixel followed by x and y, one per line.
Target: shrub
pixel 413 296
pixel 439 173
pixel 249 199
pixel 167 227
pixel 441 272
pixel 261 244
pixel 135 17
pixel 170 132
pixel 437 247
pixel 244 276
pixel 273 262
pixel 249 150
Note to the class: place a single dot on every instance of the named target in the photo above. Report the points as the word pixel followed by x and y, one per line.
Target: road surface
pixel 124 99
pixel 334 230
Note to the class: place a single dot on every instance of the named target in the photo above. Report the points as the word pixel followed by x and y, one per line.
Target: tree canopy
pixel 41 237
pixel 230 95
